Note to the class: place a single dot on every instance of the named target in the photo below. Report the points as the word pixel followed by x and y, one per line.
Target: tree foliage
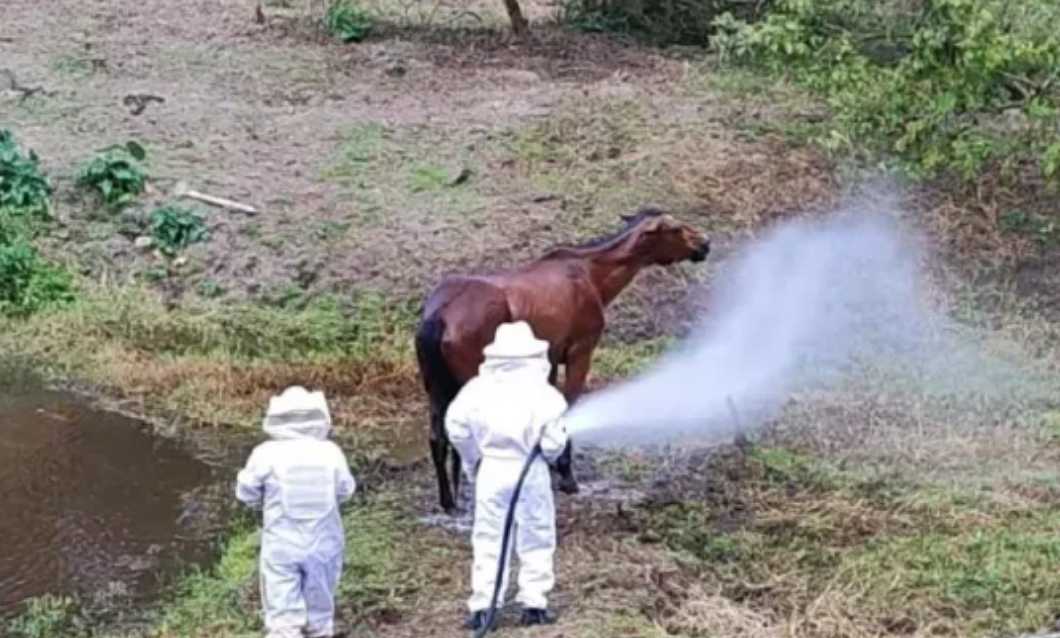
pixel 953 86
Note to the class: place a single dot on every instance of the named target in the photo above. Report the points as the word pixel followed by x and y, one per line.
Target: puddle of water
pixel 95 504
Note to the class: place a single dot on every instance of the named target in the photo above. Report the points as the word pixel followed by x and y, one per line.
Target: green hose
pixel 509 521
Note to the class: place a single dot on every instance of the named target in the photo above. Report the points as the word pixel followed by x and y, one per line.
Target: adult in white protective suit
pixel 300 477
pixel 494 423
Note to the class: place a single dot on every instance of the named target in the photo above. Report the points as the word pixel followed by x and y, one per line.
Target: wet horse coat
pixel 563 296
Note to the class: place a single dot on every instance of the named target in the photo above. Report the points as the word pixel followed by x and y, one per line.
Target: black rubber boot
pixel 477 620
pixel 533 617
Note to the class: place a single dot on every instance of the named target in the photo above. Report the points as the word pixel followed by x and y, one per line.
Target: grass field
pixel 438 145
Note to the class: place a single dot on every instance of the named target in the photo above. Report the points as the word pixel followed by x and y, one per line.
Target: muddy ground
pixel 440 145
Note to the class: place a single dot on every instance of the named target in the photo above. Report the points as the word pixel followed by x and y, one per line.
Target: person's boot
pixel 477 620
pixel 532 617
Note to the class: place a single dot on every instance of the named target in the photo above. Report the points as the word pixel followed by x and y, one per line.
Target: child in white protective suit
pixel 299 477
pixel 494 423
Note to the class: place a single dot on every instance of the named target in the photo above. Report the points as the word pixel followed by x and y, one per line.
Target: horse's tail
pixel 438 379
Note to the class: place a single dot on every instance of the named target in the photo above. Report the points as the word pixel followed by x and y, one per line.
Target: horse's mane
pixel 631 222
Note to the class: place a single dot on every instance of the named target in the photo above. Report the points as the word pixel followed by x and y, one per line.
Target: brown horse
pixel 562 295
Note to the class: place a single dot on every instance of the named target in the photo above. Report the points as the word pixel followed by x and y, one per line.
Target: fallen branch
pixel 183 191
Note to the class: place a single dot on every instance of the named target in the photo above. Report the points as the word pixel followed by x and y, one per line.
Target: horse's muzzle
pixel 701 252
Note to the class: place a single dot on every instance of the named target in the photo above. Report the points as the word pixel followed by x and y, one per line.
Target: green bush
pixel 28 283
pixel 660 22
pixel 348 22
pixel 943 86
pixel 23 187
pixel 116 174
pixel 175 228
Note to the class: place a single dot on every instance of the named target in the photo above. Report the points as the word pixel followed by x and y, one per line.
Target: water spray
pixel 808 306
pixel 803 305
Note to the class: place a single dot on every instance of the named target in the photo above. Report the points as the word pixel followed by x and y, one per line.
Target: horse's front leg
pixel 575 373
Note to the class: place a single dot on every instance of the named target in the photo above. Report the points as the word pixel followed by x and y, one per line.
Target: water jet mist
pixel 807 305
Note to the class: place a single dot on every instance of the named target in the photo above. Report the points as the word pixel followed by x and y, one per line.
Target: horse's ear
pixel 626 217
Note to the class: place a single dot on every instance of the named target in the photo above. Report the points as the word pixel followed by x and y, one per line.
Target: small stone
pixel 144 243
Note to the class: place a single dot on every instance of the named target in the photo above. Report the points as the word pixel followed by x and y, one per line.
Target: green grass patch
pixel 591 151
pixel 618 360
pixel 404 171
pixel 1001 579
pixel 379 562
pixel 73 66
pixel 221 600
pixel 326 329
pixel 783 532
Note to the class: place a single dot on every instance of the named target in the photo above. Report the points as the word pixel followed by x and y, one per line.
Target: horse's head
pixel 664 240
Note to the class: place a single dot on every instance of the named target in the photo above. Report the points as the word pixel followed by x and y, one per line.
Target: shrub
pixel 943 86
pixel 348 22
pixel 175 228
pixel 116 174
pixel 23 187
pixel 28 283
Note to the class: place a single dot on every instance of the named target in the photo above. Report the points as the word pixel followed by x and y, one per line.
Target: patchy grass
pixel 217 365
pixel 419 171
pixel 49 616
pixel 811 546
pixel 590 150
pixel 380 572
pixel 613 361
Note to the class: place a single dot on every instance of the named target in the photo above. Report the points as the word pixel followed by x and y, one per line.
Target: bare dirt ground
pixel 352 152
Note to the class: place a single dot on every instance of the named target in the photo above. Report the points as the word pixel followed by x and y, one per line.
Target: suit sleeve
pixel 458 424
pixel 554 431
pixel 250 482
pixel 346 485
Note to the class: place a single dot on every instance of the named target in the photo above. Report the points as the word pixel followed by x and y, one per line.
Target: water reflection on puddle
pixel 95 505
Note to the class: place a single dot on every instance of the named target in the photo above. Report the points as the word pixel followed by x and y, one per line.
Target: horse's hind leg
pixel 439 449
pixel 455 468
pixel 565 469
pixel 575 374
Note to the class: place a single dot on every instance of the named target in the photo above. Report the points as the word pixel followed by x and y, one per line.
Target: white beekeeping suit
pixel 494 423
pixel 300 477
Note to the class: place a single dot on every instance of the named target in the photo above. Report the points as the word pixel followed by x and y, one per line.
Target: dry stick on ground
pixel 137 102
pixel 26 91
pixel 182 190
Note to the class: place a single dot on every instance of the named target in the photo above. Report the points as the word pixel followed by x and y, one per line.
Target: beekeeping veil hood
pixel 297 413
pixel 515 351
